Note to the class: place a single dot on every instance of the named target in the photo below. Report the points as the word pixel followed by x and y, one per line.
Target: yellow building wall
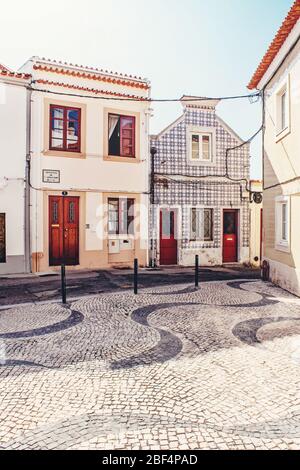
pixel 282 174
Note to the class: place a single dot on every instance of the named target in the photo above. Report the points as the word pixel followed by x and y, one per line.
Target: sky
pixel 195 47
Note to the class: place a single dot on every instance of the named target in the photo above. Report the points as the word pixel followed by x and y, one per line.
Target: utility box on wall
pixel 114 246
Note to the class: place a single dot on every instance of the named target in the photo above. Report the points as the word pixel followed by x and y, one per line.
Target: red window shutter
pixel 127 136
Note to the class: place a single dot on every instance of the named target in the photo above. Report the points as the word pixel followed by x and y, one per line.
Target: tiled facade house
pixel 201 190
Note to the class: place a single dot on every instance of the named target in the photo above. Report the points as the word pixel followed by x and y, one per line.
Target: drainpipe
pixel 153 152
pixel 27 231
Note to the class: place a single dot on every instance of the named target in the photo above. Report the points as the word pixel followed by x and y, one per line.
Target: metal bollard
pixel 63 284
pixel 135 279
pixel 197 271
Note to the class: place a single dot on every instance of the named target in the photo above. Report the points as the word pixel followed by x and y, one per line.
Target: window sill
pixel 111 236
pixel 285 248
pixel 195 242
pixel 282 134
pixel 210 163
pixel 112 158
pixel 62 153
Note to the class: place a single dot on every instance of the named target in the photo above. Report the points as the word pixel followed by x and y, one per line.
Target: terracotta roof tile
pixel 4 72
pixel 90 73
pixel 68 64
pixel 284 31
pixel 90 90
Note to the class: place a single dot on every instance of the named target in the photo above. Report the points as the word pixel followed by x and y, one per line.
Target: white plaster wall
pixel 255 233
pixel 94 218
pixel 12 164
pixel 285 276
pixel 244 255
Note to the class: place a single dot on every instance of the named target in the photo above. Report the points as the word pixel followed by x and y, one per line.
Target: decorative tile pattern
pixel 214 192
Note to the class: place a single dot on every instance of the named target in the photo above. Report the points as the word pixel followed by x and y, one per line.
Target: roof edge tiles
pixel 91 73
pixel 89 90
pixel 280 38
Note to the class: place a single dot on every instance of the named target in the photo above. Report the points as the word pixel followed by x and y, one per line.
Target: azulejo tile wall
pixel 175 188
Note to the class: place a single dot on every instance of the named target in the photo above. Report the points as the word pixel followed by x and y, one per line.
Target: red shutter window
pixel 127 136
pixel 65 128
pixel 121 135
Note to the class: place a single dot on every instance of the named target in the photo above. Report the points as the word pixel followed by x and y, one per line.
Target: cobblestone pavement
pixel 17 289
pixel 173 368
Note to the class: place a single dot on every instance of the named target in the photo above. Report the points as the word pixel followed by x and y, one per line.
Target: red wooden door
pixel 230 236
pixel 63 230
pixel 168 242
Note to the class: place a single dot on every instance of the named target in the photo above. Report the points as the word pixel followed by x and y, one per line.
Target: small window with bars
pixel 120 216
pixel 201 227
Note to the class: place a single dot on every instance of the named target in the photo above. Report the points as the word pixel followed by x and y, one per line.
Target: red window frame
pixel 65 120
pixel 122 137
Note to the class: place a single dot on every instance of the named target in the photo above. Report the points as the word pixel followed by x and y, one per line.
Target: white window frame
pixel 282 244
pixel 283 130
pixel 201 132
pixel 200 147
pixel 200 224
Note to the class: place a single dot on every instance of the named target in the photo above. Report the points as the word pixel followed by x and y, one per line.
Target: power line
pixel 149 100
pixel 226 175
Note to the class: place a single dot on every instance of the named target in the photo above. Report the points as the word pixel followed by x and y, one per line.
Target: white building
pixel 278 79
pixel 14 202
pixel 89 166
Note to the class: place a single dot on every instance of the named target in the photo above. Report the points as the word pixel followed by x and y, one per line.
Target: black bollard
pixel 136 270
pixel 63 284
pixel 197 271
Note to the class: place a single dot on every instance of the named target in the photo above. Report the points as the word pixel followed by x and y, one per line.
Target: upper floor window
pixel 121 135
pixel 120 216
pixel 65 128
pixel 201 147
pixel 283 111
pixel 282 223
pixel 201 224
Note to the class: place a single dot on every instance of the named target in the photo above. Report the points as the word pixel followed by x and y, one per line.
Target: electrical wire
pixel 149 100
pixel 226 175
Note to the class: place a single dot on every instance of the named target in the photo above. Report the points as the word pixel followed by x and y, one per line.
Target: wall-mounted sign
pixel 51 176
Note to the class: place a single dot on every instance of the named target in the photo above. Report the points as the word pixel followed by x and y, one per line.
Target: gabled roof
pixel 280 38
